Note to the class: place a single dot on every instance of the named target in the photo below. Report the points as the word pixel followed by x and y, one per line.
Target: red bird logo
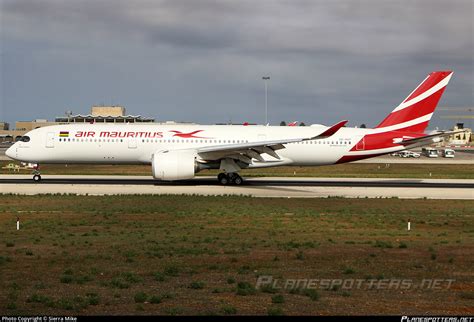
pixel 188 135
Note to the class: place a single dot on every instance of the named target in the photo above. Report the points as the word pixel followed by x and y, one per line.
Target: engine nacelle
pixel 174 165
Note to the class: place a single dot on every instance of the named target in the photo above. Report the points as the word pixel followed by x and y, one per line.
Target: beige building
pixel 31 125
pixel 463 138
pixel 105 114
pixel 114 111
pixel 99 114
pixel 21 128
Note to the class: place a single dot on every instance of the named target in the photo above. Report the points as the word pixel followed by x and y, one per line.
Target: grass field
pixel 179 255
pixel 349 170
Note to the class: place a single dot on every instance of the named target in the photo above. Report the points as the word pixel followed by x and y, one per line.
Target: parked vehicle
pixel 408 154
pixel 429 152
pixel 412 154
pixel 27 165
pixel 447 153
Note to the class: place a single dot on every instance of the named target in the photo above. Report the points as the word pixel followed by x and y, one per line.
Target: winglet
pixel 331 130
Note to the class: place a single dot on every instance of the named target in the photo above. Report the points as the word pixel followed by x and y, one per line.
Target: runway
pixel 257 187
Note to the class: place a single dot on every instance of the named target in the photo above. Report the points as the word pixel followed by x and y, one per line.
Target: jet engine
pixel 174 165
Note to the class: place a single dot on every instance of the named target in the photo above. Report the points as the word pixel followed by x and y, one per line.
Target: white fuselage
pixel 136 143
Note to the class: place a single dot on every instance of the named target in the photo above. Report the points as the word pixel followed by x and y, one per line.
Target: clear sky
pixel 203 61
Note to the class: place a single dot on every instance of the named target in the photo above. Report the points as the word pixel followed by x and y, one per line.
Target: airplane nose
pixel 9 152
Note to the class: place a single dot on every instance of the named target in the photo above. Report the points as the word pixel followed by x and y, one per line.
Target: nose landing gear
pixel 230 178
pixel 36 174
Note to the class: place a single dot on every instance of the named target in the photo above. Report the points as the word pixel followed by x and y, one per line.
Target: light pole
pixel 266 78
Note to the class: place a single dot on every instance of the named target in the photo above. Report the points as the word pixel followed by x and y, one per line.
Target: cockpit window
pixel 25 139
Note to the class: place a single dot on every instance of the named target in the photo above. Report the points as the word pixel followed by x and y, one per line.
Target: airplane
pixel 179 151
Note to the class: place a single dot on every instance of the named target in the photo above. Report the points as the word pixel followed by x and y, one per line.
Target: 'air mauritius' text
pixel 117 134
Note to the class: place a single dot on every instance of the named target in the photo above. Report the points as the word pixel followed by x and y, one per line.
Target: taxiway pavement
pixel 257 187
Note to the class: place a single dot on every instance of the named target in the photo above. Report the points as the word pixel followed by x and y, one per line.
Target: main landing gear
pixel 229 178
pixel 36 175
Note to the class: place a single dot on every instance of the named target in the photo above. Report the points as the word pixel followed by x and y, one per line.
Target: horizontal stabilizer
pixel 431 138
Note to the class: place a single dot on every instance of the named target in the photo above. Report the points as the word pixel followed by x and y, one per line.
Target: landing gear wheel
pixel 237 180
pixel 223 179
pixel 36 175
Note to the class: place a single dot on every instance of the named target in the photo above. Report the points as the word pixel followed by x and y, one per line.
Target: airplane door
pixel 132 143
pixel 50 140
pixel 360 145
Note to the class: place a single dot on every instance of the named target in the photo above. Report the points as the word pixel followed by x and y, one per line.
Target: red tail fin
pixel 414 113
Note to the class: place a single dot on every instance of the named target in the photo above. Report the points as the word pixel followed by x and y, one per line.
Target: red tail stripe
pixel 433 79
pixel 420 127
pixel 421 108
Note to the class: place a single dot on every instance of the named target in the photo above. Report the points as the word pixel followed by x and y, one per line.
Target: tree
pixel 302 124
pixel 282 123
pixel 363 126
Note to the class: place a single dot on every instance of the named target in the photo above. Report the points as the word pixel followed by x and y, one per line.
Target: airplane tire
pixel 238 180
pixel 223 179
pixel 36 178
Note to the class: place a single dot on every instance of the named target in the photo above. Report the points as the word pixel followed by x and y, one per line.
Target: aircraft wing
pixel 428 139
pixel 245 152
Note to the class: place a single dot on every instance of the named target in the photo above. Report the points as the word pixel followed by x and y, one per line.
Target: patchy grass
pixel 312 294
pixel 197 285
pixel 140 297
pixel 245 288
pixel 229 310
pixel 203 255
pixel 278 299
pixel 154 299
pixel 275 311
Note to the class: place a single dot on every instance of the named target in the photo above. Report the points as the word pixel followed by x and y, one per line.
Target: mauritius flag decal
pixel 64 134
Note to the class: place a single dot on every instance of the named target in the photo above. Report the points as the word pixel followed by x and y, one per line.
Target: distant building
pixel 108 111
pixel 31 125
pixel 463 138
pixel 99 114
pixel 4 126
pixel 21 127
pixel 105 114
